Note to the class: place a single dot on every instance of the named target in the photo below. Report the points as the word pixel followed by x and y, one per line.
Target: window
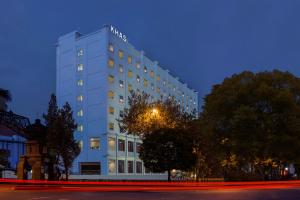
pixel 111 94
pixel 111 126
pixel 95 143
pixel 80 98
pixel 80 113
pixel 121 69
pixel 80 128
pixel 130 166
pixel 111 47
pixel 130 73
pixel 158 78
pixel 152 74
pixel 130 146
pixel 164 83
pixel 80 52
pixel 145 69
pixel 111 63
pixel 121 166
pixel 111 110
pixel 121 54
pixel 138 65
pixel 121 114
pixel 90 168
pixel 80 145
pixel 112 166
pixel 152 86
pixel 80 82
pixel 110 78
pixel 138 147
pixel 121 83
pixel 121 99
pixel 139 167
pixel 121 145
pixel 138 79
pixel 158 89
pixel 129 59
pixel 80 67
pixel 129 87
pixel 112 144
pixel 145 83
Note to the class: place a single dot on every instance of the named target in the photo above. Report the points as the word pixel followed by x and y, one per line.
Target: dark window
pixel 130 146
pixel 121 164
pixel 138 147
pixel 90 168
pixel 121 145
pixel 130 166
pixel 138 167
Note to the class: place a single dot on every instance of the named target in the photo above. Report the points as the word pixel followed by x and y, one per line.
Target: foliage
pixel 60 140
pixel 255 118
pixel 143 116
pixel 6 96
pixel 4 162
pixel 167 149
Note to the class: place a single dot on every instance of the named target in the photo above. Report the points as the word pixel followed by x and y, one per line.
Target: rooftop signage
pixel 118 33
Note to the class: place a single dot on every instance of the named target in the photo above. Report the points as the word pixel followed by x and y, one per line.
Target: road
pixel 235 194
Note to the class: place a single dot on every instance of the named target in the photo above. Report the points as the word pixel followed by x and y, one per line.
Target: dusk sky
pixel 200 41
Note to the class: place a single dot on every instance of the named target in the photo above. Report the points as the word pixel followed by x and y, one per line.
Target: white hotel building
pixel 95 74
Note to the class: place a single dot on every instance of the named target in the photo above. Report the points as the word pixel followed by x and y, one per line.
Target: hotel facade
pixel 95 74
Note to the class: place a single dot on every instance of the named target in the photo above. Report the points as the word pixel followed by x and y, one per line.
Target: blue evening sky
pixel 201 41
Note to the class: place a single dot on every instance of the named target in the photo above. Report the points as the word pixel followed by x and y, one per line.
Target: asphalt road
pixel 236 194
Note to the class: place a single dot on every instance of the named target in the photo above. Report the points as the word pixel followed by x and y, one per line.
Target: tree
pixel 4 162
pixel 5 97
pixel 256 120
pixel 167 149
pixel 143 116
pixel 60 139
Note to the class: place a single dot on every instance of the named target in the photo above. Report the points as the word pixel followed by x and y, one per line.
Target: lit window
pixel 145 69
pixel 111 94
pixel 112 166
pixel 80 98
pixel 111 48
pixel 121 83
pixel 111 110
pixel 121 114
pixel 80 52
pixel 110 78
pixel 129 87
pixel 79 67
pixel 111 63
pixel 194 102
pixel 130 73
pixel 158 78
pixel 111 126
pixel 139 167
pixel 138 147
pixel 121 69
pixel 182 94
pixel 130 146
pixel 164 83
pixel 138 65
pixel 112 144
pixel 121 54
pixel 80 143
pixel 121 145
pixel 80 82
pixel 80 113
pixel 129 59
pixel 145 83
pixel 158 90
pixel 80 128
pixel 121 166
pixel 138 78
pixel 152 74
pixel 130 166
pixel 121 99
pixel 94 143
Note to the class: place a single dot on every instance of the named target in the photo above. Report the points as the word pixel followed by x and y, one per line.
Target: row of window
pixel 94 144
pixel 121 166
